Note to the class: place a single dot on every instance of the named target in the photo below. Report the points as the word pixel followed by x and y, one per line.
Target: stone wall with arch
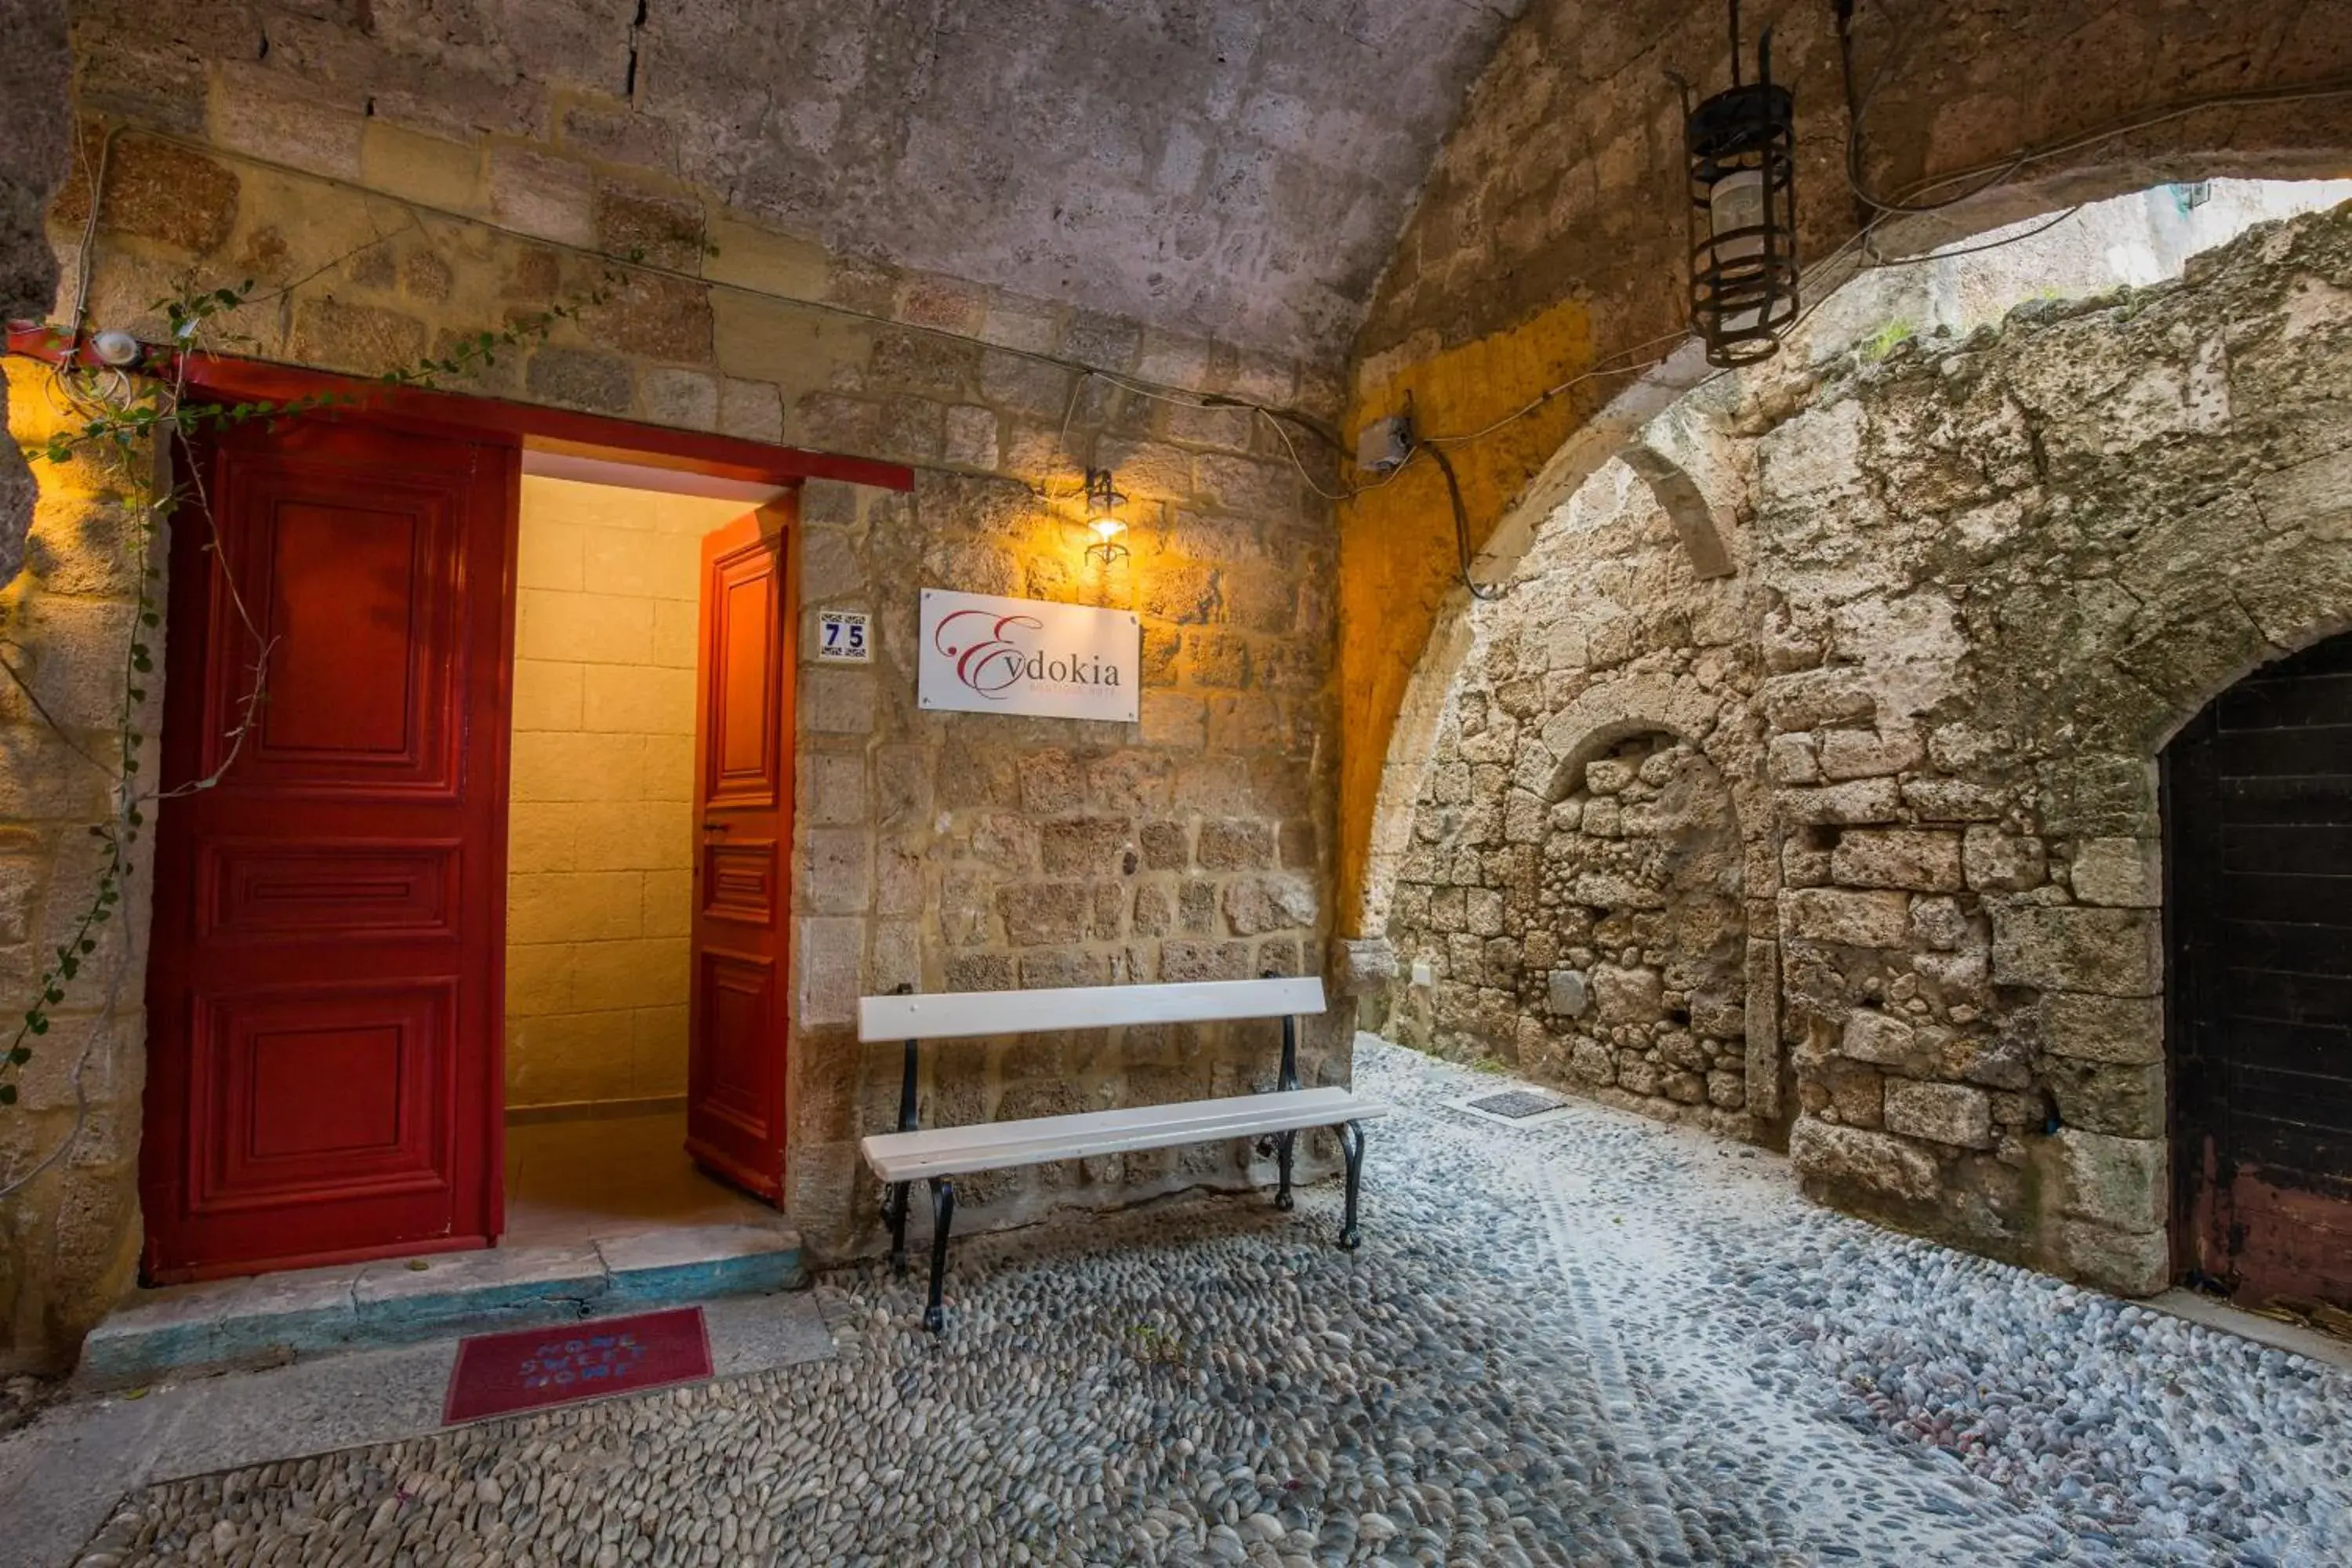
pixel 1547 260
pixel 1979 579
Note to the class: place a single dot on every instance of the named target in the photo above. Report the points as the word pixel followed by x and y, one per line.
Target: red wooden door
pixel 738 1018
pixel 324 990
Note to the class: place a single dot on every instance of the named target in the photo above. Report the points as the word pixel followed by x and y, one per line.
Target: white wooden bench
pixel 938 1154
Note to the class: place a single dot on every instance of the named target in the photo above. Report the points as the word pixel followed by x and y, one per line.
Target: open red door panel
pixel 739 1020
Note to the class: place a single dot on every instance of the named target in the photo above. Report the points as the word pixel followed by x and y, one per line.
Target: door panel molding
pixel 742 747
pixel 365 667
pixel 264 889
pixel 322 1094
pixel 739 881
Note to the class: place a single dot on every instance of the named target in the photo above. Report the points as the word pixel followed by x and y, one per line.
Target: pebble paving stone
pixel 1598 1341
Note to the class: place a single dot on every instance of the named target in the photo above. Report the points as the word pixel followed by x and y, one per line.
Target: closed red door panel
pixel 324 992
pixel 739 1022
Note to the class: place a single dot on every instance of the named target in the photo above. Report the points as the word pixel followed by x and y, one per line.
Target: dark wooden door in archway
pixel 2258 902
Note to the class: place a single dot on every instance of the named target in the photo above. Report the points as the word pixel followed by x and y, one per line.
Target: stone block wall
pixel 600 828
pixel 1584 865
pixel 947 850
pixel 1549 244
pixel 959 853
pixel 1979 581
pixel 1601 935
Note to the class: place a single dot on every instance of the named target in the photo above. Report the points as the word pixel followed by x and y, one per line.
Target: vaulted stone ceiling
pixel 1235 167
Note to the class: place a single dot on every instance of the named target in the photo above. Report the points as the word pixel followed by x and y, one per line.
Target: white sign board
pixel 981 654
pixel 844 637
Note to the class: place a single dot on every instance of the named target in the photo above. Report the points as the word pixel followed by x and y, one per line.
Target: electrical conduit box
pixel 1382 446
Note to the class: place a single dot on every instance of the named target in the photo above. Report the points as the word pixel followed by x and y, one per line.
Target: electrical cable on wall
pixel 1485 592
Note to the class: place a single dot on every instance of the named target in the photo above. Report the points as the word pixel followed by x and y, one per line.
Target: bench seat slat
pixel 999 1145
pixel 962 1015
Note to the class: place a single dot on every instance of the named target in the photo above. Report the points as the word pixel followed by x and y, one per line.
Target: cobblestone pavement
pixel 1590 1340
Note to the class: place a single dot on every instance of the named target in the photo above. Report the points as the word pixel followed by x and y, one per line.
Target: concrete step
pixel 270 1318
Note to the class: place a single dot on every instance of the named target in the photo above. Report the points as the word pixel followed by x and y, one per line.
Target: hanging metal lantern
pixel 1103 504
pixel 1742 146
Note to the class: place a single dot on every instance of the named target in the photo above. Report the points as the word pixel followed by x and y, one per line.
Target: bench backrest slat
pixel 959 1014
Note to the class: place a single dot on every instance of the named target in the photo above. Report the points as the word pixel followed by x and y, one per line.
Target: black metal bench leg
pixel 1284 1143
pixel 935 1316
pixel 1351 1144
pixel 894 1209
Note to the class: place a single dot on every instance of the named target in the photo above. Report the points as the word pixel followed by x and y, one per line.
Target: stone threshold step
pixel 269 1319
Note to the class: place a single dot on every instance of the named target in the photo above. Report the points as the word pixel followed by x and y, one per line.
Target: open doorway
pixel 613 640
pixel 331 1073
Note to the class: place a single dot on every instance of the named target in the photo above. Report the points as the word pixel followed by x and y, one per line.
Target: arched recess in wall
pixel 1658 974
pixel 1583 874
pixel 1653 427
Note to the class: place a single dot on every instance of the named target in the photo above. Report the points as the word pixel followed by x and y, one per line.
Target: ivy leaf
pixel 7 1094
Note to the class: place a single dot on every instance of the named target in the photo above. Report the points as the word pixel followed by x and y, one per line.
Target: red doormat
pixel 525 1369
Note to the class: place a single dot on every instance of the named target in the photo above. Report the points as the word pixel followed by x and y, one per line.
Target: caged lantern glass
pixel 1743 212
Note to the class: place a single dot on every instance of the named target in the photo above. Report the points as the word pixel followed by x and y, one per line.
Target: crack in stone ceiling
pixel 1238 168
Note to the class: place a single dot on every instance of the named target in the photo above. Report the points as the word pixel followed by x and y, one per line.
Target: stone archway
pixel 1673 425
pixel 1580 874
pixel 1983 580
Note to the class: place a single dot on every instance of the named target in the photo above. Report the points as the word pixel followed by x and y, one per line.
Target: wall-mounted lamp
pixel 1743 216
pixel 1103 501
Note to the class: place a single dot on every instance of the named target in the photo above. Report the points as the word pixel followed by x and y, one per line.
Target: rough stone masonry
pixel 1979 581
pixel 35 134
pixel 947 851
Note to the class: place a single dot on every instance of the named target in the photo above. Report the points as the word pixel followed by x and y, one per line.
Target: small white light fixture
pixel 1103 501
pixel 116 348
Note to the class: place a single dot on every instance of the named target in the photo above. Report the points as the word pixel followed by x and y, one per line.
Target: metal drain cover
pixel 1516 1103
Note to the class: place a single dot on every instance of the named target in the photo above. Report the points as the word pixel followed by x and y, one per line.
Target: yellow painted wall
pixel 600 831
pixel 1398 559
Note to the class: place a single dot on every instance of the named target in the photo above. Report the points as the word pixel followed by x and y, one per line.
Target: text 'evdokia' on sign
pixel 981 654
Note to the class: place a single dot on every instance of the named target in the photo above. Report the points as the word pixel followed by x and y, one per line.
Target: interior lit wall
pixel 601 833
